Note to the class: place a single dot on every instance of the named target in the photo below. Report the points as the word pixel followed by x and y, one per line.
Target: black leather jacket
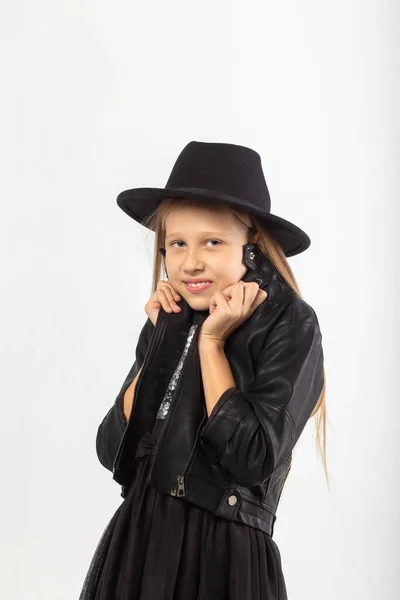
pixel 232 463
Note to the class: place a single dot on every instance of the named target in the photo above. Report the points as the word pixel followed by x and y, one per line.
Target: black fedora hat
pixel 226 174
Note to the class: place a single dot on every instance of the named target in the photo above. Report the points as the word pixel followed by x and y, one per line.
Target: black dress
pixel 160 547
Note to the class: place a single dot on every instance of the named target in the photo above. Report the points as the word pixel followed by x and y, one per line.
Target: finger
pixel 239 292
pixel 166 298
pixel 173 297
pixel 218 299
pixel 252 289
pixel 168 286
pixel 227 291
pixel 250 292
pixel 236 304
pixel 163 283
pixel 261 296
pixel 174 293
pixel 162 298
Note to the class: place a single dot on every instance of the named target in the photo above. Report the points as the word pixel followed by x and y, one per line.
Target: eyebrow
pixel 179 234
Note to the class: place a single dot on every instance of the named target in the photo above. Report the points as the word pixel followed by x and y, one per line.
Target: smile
pixel 196 288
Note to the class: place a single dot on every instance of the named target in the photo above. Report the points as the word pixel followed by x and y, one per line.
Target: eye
pixel 180 242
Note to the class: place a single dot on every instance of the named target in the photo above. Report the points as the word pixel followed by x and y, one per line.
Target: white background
pixel 98 97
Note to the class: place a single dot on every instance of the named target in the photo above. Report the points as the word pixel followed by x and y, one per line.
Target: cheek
pixel 232 273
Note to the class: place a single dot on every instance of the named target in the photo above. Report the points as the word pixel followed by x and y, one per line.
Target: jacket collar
pixel 261 270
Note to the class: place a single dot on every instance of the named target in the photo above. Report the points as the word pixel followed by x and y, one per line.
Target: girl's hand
pixel 165 296
pixel 229 309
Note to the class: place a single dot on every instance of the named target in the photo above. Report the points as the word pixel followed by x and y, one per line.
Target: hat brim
pixel 138 203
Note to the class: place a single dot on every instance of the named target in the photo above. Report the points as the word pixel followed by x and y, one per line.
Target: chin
pixel 197 302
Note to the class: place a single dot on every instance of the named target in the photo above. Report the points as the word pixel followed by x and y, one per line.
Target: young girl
pixel 229 368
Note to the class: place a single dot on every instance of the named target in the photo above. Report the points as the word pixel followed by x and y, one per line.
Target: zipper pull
pixel 181 485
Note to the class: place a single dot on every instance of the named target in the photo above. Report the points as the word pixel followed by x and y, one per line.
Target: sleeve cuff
pixel 226 415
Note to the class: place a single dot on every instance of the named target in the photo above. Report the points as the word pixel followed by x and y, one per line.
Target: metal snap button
pixel 232 500
pixel 252 255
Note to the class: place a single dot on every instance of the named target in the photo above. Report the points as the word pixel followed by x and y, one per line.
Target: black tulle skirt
pixel 158 546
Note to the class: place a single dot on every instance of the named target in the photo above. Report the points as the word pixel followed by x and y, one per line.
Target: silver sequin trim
pixel 166 403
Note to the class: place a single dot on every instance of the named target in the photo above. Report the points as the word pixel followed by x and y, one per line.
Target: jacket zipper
pixel 165 425
pixel 156 336
pixel 180 490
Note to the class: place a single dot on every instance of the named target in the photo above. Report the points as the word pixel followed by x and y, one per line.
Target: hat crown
pixel 224 168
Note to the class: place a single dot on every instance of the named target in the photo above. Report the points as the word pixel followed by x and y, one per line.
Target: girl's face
pixel 206 245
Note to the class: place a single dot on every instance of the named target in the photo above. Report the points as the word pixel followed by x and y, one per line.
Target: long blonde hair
pixel 269 246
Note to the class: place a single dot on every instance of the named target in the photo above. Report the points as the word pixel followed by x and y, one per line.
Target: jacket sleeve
pixel 111 429
pixel 251 433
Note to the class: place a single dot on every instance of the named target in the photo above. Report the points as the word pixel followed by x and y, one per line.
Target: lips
pixel 198 288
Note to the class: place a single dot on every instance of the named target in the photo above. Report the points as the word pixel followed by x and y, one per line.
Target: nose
pixel 192 262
